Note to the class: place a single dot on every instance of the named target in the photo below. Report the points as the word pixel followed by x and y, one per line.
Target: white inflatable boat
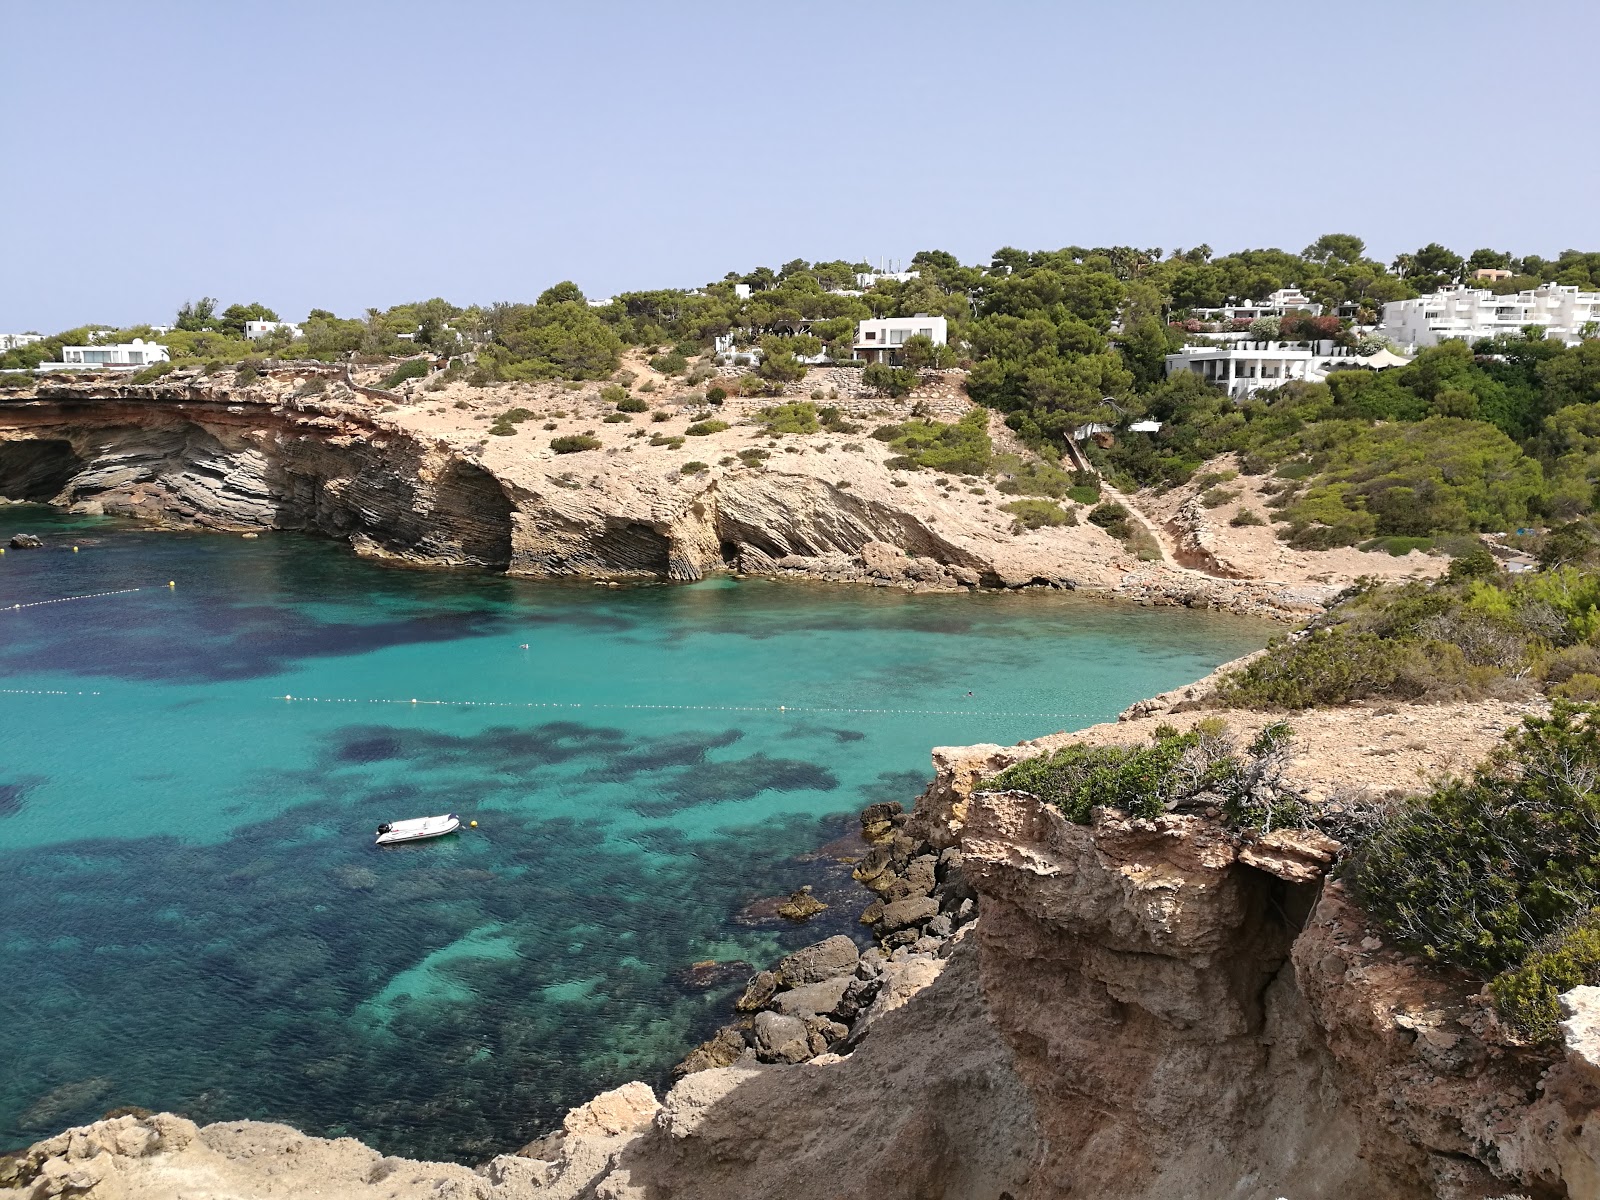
pixel 417 829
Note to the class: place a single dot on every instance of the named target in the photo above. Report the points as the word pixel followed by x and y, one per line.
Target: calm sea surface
pixel 192 913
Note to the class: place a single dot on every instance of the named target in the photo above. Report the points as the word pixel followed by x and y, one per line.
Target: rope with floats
pixel 726 708
pixel 171 584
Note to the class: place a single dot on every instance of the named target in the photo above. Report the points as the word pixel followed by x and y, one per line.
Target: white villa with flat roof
pixel 880 338
pixel 256 330
pixel 1242 368
pixel 124 356
pixel 1566 314
pixel 1280 302
pixel 15 341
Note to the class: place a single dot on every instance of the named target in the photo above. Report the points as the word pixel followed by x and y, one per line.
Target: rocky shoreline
pixel 346 461
pixel 1134 1009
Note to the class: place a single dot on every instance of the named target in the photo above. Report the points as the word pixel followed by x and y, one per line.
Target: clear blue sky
pixel 341 154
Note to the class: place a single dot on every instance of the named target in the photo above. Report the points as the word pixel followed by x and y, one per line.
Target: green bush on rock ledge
pixel 1499 874
pixel 574 443
pixel 1198 769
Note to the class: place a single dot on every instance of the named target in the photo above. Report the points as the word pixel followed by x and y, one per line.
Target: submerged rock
pixel 801 906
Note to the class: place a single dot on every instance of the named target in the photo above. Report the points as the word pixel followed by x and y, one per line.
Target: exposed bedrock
pixel 183 455
pixel 390 495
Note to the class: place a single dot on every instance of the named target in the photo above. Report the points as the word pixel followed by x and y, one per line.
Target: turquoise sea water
pixel 192 913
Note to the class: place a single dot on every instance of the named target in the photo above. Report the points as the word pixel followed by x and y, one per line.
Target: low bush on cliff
pixel 706 428
pixel 1476 633
pixel 1528 996
pixel 798 417
pixel 963 448
pixel 412 368
pixel 1202 768
pixel 573 443
pixel 1498 874
pixel 1036 514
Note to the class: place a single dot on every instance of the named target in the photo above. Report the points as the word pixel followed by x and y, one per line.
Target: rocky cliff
pixel 1139 1010
pixel 303 448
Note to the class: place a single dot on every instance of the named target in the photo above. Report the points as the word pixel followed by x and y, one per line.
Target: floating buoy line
pixel 171 584
pixel 739 708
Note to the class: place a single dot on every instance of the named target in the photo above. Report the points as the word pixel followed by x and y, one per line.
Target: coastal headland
pixel 422 478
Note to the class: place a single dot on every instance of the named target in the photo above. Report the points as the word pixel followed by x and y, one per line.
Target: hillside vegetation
pixel 1464 439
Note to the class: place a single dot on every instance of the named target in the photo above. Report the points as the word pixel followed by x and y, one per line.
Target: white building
pixel 120 356
pixel 1565 313
pixel 866 279
pixel 741 291
pixel 1245 367
pixel 15 341
pixel 1284 300
pixel 880 339
pixel 255 330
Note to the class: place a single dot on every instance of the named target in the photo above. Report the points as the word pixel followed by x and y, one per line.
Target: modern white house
pixel 127 356
pixel 1284 300
pixel 1565 313
pixel 866 279
pixel 15 341
pixel 1242 368
pixel 880 338
pixel 255 330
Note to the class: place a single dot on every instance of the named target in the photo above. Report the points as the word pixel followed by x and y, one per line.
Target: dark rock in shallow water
pixel 708 973
pixel 25 541
pixel 801 906
pixel 824 960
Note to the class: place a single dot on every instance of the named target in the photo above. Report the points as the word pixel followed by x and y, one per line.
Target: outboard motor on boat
pixel 385 827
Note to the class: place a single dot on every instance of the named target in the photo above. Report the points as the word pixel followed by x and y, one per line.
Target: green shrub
pixel 1480 873
pixel 694 468
pixel 705 428
pixel 716 394
pixel 412 368
pixel 1084 493
pixel 616 418
pixel 963 448
pixel 752 457
pixel 1113 518
pixel 833 421
pixel 573 443
pixel 632 404
pixel 1033 514
pixel 1201 768
pixel 613 394
pixel 1527 996
pixel 1399 547
pixel 1246 516
pixel 246 375
pixel 798 417
pixel 1336 666
pixel 1032 478
pixel 1216 497
pixel 153 372
pixel 890 381
pixel 671 363
pixel 661 439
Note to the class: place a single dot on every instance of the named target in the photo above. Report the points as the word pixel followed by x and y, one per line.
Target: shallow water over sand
pixel 193 916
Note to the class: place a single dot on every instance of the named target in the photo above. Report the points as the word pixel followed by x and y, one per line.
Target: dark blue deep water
pixel 192 913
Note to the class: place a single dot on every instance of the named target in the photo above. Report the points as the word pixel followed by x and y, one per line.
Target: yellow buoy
pixel 474 824
pixel 74 549
pixel 172 583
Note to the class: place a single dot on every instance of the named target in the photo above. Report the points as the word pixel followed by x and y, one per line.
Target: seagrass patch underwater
pixel 195 918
